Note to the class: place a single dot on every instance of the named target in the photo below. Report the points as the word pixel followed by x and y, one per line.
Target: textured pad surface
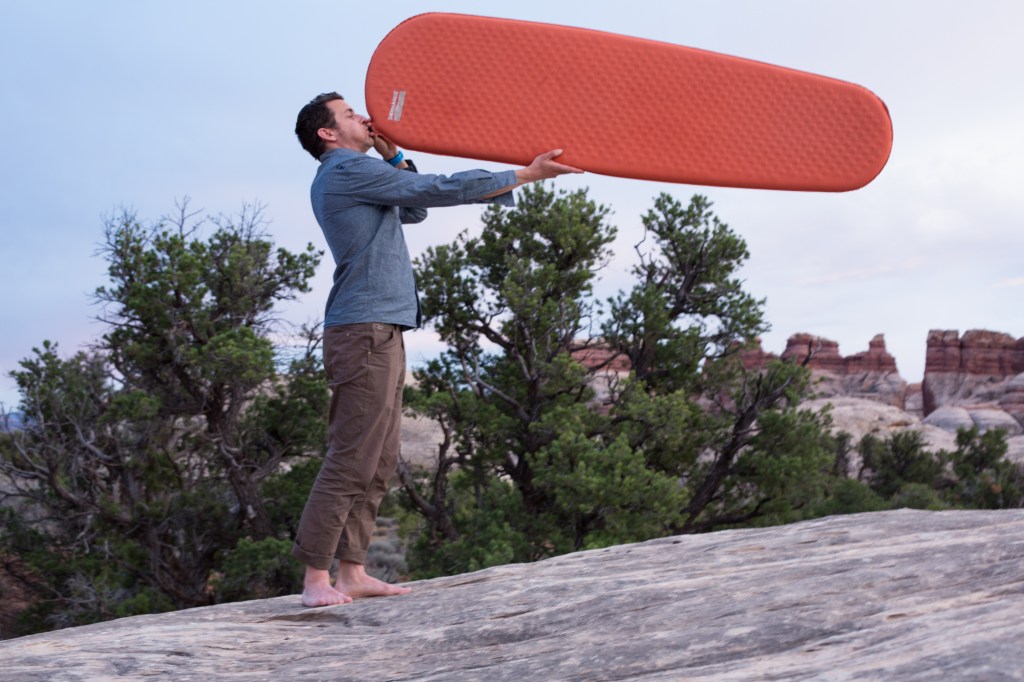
pixel 506 90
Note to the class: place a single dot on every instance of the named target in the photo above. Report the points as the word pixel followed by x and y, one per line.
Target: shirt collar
pixel 339 153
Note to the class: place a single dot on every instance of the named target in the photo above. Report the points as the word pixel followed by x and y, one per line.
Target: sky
pixel 139 104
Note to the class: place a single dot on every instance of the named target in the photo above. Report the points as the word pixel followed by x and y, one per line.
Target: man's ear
pixel 327 134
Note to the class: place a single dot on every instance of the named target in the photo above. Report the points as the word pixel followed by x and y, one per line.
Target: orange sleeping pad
pixel 506 90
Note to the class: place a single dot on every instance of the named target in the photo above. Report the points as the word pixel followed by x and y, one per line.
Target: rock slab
pixel 902 595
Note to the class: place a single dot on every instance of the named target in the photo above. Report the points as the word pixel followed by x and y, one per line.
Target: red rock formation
pixel 875 359
pixel 991 353
pixel 871 374
pixel 975 369
pixel 942 351
pixel 755 357
pixel 826 357
pixel 824 353
pixel 599 356
pixel 978 352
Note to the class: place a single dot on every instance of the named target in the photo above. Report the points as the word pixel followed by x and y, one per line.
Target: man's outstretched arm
pixel 544 167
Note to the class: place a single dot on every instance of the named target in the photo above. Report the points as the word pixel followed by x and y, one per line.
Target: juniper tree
pixel 141 464
pixel 531 463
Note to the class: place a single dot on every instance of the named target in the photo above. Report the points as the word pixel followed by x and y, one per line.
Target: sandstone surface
pixel 915 401
pixel 950 418
pixel 902 595
pixel 420 439
pixel 859 417
pixel 988 419
pixel 1012 400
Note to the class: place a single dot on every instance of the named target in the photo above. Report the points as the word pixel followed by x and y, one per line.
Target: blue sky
pixel 139 104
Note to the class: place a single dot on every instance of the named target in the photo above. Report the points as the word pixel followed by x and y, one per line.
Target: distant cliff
pixel 981 370
pixel 972 380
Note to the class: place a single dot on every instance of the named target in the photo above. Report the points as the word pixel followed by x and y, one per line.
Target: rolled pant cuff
pixel 355 556
pixel 318 561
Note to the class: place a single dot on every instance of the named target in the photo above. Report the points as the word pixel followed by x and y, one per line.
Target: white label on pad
pixel 397 103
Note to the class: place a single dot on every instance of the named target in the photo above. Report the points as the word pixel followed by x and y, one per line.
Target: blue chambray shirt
pixel 361 203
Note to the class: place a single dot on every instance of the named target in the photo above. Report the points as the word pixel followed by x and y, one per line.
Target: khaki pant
pixel 365 365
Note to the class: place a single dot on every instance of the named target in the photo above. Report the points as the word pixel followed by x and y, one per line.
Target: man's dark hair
pixel 312 118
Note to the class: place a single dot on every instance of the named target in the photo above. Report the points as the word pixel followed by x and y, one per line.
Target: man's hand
pixel 385 147
pixel 544 167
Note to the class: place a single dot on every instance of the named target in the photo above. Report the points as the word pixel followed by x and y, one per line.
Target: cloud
pixel 1008 283
pixel 860 274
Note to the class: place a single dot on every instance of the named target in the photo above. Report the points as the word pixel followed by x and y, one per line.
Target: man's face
pixel 350 130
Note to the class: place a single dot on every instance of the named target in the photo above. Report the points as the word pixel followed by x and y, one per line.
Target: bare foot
pixel 317 590
pixel 323 596
pixel 352 578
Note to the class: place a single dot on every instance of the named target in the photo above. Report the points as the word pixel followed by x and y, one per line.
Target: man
pixel 361 203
